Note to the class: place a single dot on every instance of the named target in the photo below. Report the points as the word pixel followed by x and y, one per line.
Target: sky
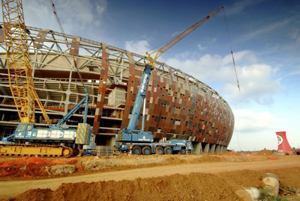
pixel 264 36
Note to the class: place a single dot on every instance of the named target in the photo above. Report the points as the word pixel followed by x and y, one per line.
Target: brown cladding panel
pixel 40 39
pixel 202 117
pixel 102 88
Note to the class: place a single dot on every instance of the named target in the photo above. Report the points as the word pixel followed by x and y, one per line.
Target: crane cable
pixel 66 39
pixel 233 61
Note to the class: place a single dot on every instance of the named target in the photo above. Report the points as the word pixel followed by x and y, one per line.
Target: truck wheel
pixel 67 152
pixel 168 150
pixel 182 151
pixel 146 151
pixel 136 150
pixel 159 150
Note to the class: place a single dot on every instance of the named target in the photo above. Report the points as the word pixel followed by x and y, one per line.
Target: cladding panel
pixel 175 112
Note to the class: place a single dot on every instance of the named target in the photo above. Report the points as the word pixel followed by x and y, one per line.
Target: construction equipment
pixel 28 139
pixel 140 141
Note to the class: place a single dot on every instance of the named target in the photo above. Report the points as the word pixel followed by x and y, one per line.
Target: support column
pixel 218 149
pixel 206 149
pixel 198 148
pixel 130 90
pixel 212 149
pixel 111 141
pixel 102 88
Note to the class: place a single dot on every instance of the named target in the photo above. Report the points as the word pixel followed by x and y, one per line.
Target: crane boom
pixel 159 52
pixel 145 78
pixel 18 62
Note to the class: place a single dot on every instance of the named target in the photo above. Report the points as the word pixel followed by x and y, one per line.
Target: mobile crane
pixel 27 139
pixel 140 141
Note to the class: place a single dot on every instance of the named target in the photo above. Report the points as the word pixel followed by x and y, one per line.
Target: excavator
pixel 28 139
pixel 137 141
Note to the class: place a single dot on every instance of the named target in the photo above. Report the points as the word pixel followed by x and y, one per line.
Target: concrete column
pixel 162 140
pixel 206 149
pixel 212 149
pixel 218 149
pixel 198 148
pixel 111 141
pixel 223 149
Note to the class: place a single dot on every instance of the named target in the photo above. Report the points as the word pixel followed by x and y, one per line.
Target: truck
pixel 138 142
pixel 29 140
pixel 166 147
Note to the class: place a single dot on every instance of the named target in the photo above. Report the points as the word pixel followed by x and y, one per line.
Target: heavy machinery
pixel 140 141
pixel 28 139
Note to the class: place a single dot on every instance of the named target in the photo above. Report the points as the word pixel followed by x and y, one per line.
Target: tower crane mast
pixel 18 62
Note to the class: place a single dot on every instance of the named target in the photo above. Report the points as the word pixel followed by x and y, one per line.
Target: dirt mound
pixel 176 187
pixel 207 158
pixel 31 166
pixel 39 168
pixel 265 152
pixel 194 186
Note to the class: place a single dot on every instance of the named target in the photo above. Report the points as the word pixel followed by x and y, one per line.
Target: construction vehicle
pixel 140 141
pixel 28 139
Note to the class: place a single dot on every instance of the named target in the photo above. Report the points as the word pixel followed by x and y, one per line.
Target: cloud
pixel 292 73
pixel 87 13
pixel 74 15
pixel 201 47
pixel 264 30
pixel 254 130
pixel 249 121
pixel 256 85
pixel 240 6
pixel 295 34
pixel 256 79
pixel 140 47
pixel 101 7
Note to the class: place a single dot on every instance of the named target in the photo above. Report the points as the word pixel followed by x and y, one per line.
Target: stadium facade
pixel 178 106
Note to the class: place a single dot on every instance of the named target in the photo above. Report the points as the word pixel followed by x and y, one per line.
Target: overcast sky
pixel 264 34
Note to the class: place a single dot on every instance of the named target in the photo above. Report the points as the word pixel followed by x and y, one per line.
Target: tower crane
pixel 130 138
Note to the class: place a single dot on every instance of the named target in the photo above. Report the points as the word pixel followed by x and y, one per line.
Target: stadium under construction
pixel 178 106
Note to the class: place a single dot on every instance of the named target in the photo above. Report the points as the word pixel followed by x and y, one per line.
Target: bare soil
pixel 192 177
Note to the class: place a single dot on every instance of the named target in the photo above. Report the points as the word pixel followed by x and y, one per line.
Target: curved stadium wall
pixel 178 106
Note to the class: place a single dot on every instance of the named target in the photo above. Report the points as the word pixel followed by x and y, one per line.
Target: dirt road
pixel 14 188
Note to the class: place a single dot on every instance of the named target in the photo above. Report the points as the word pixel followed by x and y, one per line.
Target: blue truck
pixel 138 142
